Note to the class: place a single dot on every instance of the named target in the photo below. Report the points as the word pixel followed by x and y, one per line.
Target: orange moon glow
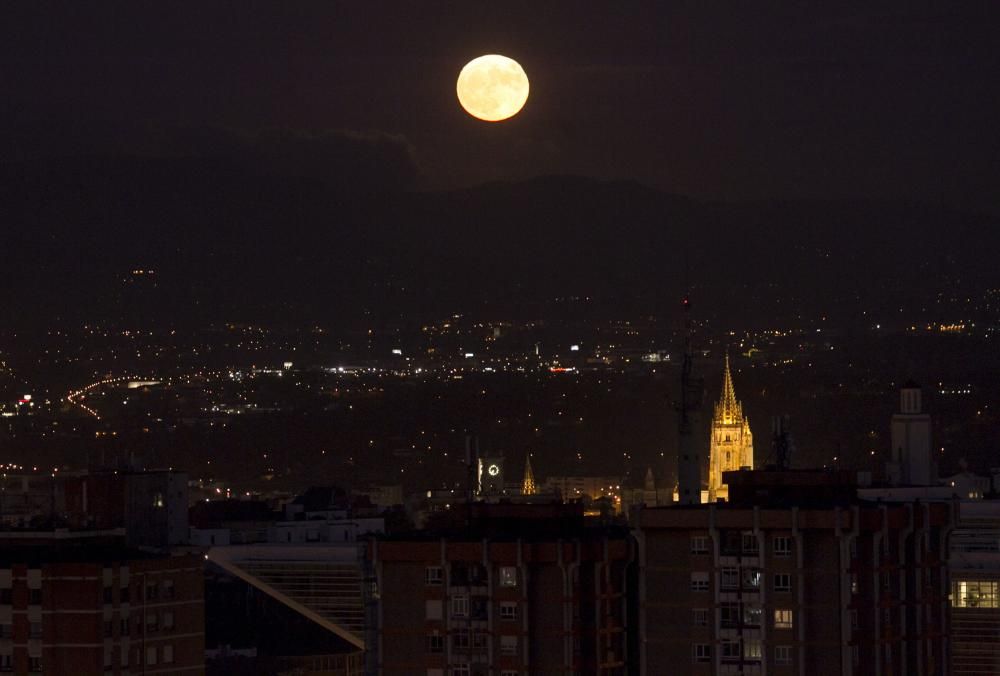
pixel 492 87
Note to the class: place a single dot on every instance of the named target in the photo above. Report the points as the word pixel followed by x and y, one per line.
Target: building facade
pixel 529 590
pixel 731 446
pixel 761 586
pixel 72 606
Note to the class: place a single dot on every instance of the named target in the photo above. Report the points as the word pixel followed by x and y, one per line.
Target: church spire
pixel 528 484
pixel 728 410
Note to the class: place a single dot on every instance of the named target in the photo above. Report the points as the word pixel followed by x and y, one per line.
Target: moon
pixel 492 87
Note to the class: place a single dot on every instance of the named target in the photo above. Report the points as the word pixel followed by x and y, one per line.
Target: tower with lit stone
pixel 732 442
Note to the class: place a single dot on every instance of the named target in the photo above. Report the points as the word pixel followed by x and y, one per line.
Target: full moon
pixel 492 87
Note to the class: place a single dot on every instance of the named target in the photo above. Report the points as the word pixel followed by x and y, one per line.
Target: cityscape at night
pixel 542 339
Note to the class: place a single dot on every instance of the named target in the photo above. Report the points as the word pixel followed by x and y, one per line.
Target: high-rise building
pixel 511 589
pixel 794 575
pixel 731 442
pixel 912 461
pixel 83 603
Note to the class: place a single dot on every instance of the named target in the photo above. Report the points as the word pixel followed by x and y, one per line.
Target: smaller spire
pixel 528 485
pixel 728 410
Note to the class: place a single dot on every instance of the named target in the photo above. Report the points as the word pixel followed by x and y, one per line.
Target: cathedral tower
pixel 732 441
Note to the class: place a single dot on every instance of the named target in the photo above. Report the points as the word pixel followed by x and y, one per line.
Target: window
pixel 168 654
pixel 729 649
pixel 108 658
pixel 435 609
pixel 123 627
pixel 729 614
pixel 508 645
pixel 152 591
pixel 480 639
pixel 5 630
pixel 151 655
pixel 699 582
pixel 750 543
pixel 508 576
pixel 752 649
pixel 701 652
pixel 125 652
pixel 152 622
pixel 886 582
pixel 35 630
pixel 854 548
pixel 700 617
pixel 855 655
pixel 782 582
pixel 168 619
pixel 168 589
pixel 158 500
pixel 34 664
pixel 782 654
pixel 782 545
pixel 434 576
pixel 460 639
pixel 435 643
pixel 109 629
pixel 6 596
pixel 6 663
pixel 782 618
pixel 730 578
pixel 35 596
pixel 107 595
pixel 460 606
pixel 854 618
pixel 854 583
pixel 699 544
pixel 508 611
pixel 123 595
pixel 974 594
pixel 460 670
pixel 751 578
pixel 752 615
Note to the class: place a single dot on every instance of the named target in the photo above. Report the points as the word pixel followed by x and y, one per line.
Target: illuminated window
pixel 782 618
pixel 508 576
pixel 974 594
pixel 751 578
pixel 752 615
pixel 751 649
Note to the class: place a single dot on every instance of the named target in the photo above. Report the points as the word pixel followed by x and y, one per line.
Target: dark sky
pixel 710 99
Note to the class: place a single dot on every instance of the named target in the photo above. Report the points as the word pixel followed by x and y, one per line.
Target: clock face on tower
pixel 493 470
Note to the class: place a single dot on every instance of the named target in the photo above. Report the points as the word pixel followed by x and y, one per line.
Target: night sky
pixel 714 100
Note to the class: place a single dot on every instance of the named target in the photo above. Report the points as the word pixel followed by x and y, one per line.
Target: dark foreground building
pixel 82 603
pixel 794 575
pixel 503 590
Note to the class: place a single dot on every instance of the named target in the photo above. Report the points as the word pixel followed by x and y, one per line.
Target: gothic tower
pixel 732 441
pixel 528 484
